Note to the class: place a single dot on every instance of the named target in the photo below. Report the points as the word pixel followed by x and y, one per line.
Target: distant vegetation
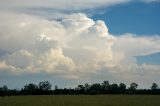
pixel 44 88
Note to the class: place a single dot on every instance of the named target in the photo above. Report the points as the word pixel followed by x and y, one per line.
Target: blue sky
pixel 149 59
pixel 136 17
pixel 78 42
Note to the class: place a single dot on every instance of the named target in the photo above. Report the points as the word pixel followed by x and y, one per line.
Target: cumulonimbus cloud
pixel 74 47
pixel 33 44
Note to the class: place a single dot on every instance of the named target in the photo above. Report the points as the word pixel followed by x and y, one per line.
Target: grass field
pixel 81 100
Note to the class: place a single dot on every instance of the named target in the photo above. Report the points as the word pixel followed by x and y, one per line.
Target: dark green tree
pixel 81 87
pixel 4 90
pixel 105 85
pixel 30 87
pixel 95 88
pixel 55 87
pixel 122 87
pixel 132 88
pixel 154 86
pixel 87 87
pixel 45 85
pixel 114 88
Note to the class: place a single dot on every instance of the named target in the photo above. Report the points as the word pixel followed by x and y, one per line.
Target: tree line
pixel 45 88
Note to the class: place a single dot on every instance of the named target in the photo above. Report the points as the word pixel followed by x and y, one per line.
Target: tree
pixel 122 87
pixel 95 88
pixel 55 87
pixel 154 86
pixel 133 86
pixel 81 87
pixel 4 91
pixel 87 87
pixel 5 88
pixel 45 85
pixel 105 85
pixel 114 88
pixel 30 88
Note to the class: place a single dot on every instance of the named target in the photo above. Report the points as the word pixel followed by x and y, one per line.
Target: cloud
pixel 134 45
pixel 75 47
pixel 33 44
pixel 59 4
pixel 56 9
pixel 63 4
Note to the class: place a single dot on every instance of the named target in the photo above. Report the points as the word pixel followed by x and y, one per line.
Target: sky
pixel 70 42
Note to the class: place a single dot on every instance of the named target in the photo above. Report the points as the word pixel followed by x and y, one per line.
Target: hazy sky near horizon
pixel 70 42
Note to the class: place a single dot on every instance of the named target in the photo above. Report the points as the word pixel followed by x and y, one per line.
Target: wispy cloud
pixel 63 4
pixel 60 4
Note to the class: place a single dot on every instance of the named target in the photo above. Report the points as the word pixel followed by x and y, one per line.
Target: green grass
pixel 81 100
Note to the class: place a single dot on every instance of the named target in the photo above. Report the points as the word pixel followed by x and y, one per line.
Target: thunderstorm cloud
pixel 73 46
